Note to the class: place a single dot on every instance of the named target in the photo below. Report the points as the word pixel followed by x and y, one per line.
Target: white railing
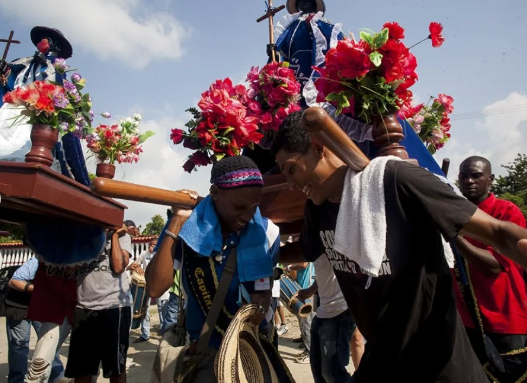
pixel 14 255
pixel 18 255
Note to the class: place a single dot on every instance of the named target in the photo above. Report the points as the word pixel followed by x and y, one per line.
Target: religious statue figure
pixel 14 138
pixel 305 36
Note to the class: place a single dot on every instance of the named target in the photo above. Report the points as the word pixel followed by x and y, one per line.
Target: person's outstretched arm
pixel 505 237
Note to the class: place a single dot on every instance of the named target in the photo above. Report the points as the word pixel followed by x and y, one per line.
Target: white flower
pixel 137 117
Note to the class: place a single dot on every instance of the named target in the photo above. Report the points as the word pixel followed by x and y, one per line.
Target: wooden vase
pixel 387 134
pixel 43 139
pixel 105 170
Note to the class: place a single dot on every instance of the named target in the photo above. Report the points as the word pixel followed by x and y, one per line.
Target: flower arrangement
pixel 221 127
pixel 61 106
pixel 273 94
pixel 431 122
pixel 371 77
pixel 121 142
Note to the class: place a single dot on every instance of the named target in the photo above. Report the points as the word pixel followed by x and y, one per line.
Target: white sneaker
pixel 283 329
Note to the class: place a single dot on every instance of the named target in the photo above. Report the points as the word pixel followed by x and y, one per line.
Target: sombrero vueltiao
pixel 291 6
pixel 245 358
pixel 39 32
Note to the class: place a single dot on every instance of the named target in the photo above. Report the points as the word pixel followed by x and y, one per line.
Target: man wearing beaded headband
pixel 203 239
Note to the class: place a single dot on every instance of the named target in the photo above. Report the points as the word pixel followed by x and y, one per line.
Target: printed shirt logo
pixel 341 263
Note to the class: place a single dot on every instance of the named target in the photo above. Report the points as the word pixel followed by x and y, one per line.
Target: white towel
pixel 360 234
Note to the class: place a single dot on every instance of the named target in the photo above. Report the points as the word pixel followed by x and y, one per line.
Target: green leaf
pixel 219 156
pixel 380 38
pixel 376 58
pixel 143 137
pixel 227 131
pixel 367 37
pixel 342 99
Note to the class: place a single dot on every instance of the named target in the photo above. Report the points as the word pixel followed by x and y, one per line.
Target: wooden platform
pixel 30 191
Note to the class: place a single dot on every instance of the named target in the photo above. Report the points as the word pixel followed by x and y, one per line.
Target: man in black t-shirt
pixel 408 313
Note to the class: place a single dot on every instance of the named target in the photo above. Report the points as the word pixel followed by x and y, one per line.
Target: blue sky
pixel 157 57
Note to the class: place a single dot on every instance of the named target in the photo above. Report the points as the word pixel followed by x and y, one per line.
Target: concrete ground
pixel 141 355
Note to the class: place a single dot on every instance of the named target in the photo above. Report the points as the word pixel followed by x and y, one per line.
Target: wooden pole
pixel 445 166
pixel 133 192
pixel 271 32
pixel 269 14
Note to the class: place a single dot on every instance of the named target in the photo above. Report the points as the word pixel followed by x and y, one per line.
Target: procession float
pixel 355 95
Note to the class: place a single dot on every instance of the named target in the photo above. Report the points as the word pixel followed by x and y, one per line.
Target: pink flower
pixel 446 101
pixel 419 118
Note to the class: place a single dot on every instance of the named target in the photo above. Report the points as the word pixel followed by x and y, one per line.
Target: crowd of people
pixel 410 277
pixel 444 300
pixel 90 303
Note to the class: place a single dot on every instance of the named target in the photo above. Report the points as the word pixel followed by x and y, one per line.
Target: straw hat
pixel 292 8
pixel 39 32
pixel 245 358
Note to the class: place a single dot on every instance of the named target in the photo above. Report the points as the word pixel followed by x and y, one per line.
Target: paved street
pixel 141 356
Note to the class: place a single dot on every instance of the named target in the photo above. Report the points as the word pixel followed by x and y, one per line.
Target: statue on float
pixel 14 137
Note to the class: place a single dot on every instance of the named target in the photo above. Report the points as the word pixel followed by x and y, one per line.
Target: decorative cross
pixel 269 14
pixel 9 41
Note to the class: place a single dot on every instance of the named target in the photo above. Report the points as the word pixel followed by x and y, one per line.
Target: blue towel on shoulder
pixel 202 233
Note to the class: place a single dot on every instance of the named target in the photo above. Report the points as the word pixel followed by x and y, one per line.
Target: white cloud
pixel 126 31
pixel 497 137
pixel 160 166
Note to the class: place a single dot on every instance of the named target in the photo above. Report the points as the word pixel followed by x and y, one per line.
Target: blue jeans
pixel 171 313
pixel 330 348
pixel 162 311
pixel 18 334
pixel 145 324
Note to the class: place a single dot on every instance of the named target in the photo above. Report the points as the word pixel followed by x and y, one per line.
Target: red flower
pixel 8 98
pixel 435 34
pixel 408 111
pixel 189 166
pixel 394 62
pixel 266 118
pixel 446 101
pixel 45 104
pixel 191 143
pixel 176 136
pixel 205 138
pixel 327 84
pixel 349 59
pixel 395 31
pixel 200 159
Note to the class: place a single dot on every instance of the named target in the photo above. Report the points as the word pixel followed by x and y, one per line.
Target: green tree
pixel 155 226
pixel 516 179
pixel 16 233
pixel 513 186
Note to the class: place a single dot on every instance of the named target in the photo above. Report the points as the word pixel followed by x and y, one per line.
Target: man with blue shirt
pixel 18 328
